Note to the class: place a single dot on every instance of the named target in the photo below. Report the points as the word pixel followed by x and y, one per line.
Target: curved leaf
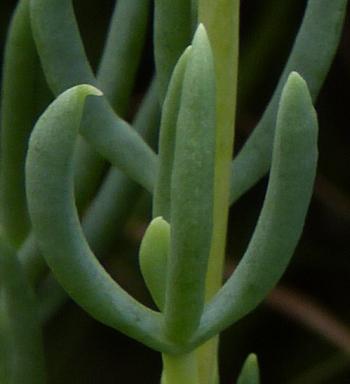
pixel 107 212
pixel 65 64
pixel 49 182
pixel 311 56
pixel 282 217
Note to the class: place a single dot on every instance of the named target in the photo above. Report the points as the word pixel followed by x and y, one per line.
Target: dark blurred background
pixel 302 332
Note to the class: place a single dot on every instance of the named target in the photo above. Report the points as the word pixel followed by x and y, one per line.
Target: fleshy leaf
pixel 283 214
pixel 192 192
pixel 154 258
pixel 58 230
pixel 250 371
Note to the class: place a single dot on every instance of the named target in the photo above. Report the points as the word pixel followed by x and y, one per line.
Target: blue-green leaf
pixel 172 34
pixel 167 137
pixel 58 231
pixel 65 64
pixel 192 192
pixel 283 214
pixel 311 56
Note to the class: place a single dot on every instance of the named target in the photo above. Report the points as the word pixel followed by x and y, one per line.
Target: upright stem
pixel 180 369
pixel 221 19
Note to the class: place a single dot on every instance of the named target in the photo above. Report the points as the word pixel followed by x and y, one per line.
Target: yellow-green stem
pixel 221 19
pixel 180 369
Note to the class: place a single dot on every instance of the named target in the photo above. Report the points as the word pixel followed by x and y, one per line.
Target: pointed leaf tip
pixel 200 35
pixel 87 90
pixel 296 83
pixel 296 101
pixel 250 371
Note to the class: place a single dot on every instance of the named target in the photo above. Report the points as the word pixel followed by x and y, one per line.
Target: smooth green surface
pixel 199 102
pixel 107 212
pixel 115 199
pixel 19 106
pixel 115 76
pixel 250 371
pixel 172 34
pixel 33 264
pixel 59 44
pixel 167 138
pixel 311 56
pixel 110 207
pixel 65 64
pixel 282 217
pixel 180 369
pixel 26 360
pixel 192 193
pixel 122 52
pixel 55 221
pixel 221 19
pixel 5 344
pixel 153 256
pixel 122 146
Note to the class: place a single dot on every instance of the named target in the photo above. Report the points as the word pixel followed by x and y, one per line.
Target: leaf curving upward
pixel 282 217
pixel 311 56
pixel 49 182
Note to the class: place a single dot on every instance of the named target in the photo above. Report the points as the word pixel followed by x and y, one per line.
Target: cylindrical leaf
pixel 192 192
pixel 65 64
pixel 283 214
pixel 172 34
pixel 311 56
pixel 167 137
pixel 50 171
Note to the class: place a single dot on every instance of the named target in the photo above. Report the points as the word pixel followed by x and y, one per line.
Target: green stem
pixel 221 18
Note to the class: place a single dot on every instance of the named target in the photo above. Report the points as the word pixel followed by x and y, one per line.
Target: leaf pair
pixel 279 225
